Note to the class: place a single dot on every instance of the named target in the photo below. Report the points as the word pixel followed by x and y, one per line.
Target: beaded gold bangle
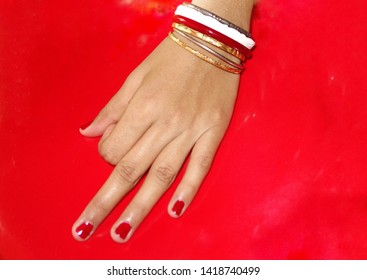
pixel 204 57
pixel 209 40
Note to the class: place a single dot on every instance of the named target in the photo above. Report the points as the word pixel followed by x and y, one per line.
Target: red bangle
pixel 212 33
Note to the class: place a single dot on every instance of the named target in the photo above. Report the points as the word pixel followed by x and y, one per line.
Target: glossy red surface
pixel 289 180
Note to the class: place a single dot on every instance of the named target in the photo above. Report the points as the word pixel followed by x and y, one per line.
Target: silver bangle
pixel 218 18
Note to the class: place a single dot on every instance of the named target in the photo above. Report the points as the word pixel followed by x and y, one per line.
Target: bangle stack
pixel 212 33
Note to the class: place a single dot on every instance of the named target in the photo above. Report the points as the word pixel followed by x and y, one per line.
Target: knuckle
pixel 148 109
pixel 127 172
pixel 218 117
pixel 220 114
pixel 107 153
pixel 167 124
pixel 205 161
pixel 191 188
pixel 141 208
pixel 140 115
pixel 101 207
pixel 174 122
pixel 165 173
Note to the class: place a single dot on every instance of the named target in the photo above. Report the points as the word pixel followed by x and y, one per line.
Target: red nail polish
pixel 123 230
pixel 84 230
pixel 84 126
pixel 177 208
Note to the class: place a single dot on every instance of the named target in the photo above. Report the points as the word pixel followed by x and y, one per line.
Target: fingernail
pixel 84 230
pixel 177 208
pixel 84 126
pixel 123 230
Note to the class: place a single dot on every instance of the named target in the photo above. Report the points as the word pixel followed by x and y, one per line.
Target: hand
pixel 171 105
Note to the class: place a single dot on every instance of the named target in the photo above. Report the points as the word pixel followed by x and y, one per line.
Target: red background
pixel 289 180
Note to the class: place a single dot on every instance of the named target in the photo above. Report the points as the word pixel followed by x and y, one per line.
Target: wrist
pixel 210 32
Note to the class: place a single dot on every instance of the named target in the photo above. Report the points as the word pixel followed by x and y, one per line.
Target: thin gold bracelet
pixel 204 57
pixel 195 41
pixel 210 40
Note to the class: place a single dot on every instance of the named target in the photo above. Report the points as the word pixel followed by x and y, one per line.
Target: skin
pixel 154 122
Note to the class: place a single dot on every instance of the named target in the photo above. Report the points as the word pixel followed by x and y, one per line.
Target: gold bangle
pixel 195 41
pixel 204 57
pixel 210 40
